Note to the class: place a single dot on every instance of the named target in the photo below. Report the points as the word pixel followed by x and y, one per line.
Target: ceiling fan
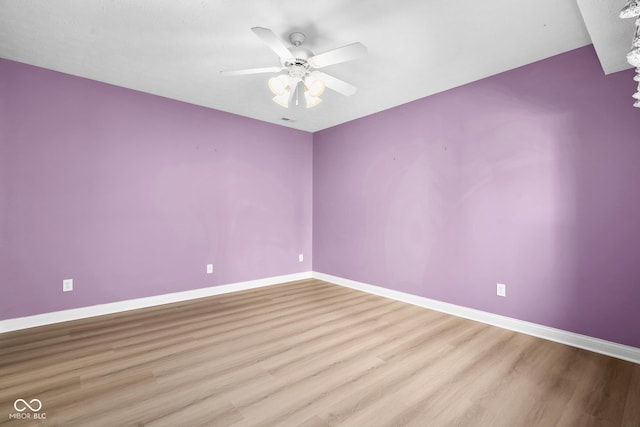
pixel 301 83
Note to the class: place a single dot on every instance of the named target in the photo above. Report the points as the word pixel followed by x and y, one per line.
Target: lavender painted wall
pixel 529 178
pixel 4 179
pixel 131 195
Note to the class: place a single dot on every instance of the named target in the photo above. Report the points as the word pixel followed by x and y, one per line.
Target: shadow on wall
pixel 150 191
pixel 575 197
pixel 527 178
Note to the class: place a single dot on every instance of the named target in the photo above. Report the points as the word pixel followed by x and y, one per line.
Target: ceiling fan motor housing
pixel 298 67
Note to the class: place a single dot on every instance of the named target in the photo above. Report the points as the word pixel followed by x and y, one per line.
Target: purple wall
pixel 4 180
pixel 131 195
pixel 529 178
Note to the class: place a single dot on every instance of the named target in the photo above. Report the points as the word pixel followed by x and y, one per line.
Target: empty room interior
pixel 329 213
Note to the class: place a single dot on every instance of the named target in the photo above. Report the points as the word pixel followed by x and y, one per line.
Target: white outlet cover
pixel 67 285
pixel 301 257
pixel 501 290
pixel 209 268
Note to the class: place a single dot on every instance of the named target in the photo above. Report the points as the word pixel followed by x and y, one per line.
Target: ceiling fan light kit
pixel 301 83
pixel 284 87
pixel 632 10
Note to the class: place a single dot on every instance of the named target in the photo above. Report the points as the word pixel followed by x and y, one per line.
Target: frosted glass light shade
pixel 311 101
pixel 633 57
pixel 315 84
pixel 636 104
pixel 636 96
pixel 631 9
pixel 316 88
pixel 282 100
pixel 279 84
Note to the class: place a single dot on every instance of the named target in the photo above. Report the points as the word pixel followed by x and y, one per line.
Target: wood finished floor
pixel 307 353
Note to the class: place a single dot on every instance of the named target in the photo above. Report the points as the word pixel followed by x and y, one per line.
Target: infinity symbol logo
pixel 25 405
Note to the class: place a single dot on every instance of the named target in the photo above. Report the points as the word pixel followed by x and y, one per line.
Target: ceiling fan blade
pixel 251 71
pixel 341 54
pixel 273 41
pixel 338 85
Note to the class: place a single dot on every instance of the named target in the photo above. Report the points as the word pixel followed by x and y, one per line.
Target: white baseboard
pixel 116 307
pixel 620 351
pixel 597 345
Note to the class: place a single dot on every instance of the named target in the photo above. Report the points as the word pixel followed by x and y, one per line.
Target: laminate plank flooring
pixel 306 353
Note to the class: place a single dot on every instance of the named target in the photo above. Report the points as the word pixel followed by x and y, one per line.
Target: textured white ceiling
pixel 611 36
pixel 177 48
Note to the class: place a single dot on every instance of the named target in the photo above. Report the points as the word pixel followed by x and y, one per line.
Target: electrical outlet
pixel 209 268
pixel 300 257
pixel 501 290
pixel 67 285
